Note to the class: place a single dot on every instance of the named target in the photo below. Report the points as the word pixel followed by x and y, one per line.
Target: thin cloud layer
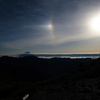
pixel 47 25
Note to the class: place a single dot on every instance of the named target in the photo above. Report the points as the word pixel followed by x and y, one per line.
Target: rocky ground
pixel 83 83
pixel 88 89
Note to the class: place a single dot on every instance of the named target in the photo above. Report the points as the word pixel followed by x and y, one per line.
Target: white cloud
pixel 50 40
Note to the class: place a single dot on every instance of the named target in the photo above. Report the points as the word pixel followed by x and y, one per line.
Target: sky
pixel 49 26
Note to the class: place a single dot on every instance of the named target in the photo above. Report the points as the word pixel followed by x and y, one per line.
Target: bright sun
pixel 95 23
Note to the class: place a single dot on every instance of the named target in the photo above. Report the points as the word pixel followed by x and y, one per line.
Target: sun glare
pixel 95 23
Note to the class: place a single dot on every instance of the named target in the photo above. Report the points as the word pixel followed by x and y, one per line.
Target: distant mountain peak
pixel 28 52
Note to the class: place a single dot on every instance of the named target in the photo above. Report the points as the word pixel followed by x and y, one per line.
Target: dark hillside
pixel 87 71
pixel 80 83
pixel 19 73
pixel 83 83
pixel 53 67
pixel 12 76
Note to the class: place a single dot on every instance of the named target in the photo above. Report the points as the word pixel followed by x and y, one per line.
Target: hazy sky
pixel 49 26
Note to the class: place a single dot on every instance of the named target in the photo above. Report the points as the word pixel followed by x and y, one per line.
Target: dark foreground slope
pixel 54 67
pixel 83 83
